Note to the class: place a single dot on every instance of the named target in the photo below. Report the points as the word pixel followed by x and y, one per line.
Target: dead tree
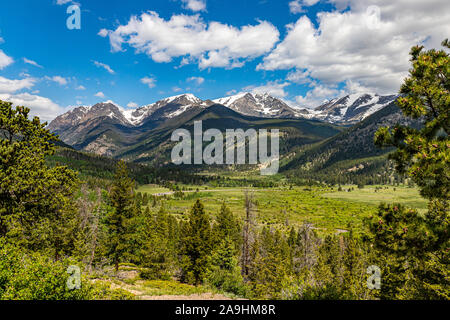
pixel 247 232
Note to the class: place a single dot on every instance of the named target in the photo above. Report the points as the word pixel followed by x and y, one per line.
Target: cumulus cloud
pixel 80 87
pixel 353 44
pixel 274 88
pixel 9 85
pixel 5 60
pixel 150 82
pixel 194 5
pixel 58 79
pixel 39 106
pixel 299 76
pixel 100 94
pixel 104 66
pixel 33 63
pixel 209 44
pixel 197 80
pixel 103 33
pixel 132 105
pixel 297 6
pixel 318 95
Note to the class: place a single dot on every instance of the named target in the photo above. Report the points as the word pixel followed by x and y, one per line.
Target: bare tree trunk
pixel 247 233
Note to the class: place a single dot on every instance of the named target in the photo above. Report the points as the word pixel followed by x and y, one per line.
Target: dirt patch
pixel 203 296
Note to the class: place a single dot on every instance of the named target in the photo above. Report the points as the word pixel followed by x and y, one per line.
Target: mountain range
pixel 345 110
pixel 143 134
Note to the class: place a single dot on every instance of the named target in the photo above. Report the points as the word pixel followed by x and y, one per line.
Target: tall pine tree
pixel 197 245
pixel 419 245
pixel 118 220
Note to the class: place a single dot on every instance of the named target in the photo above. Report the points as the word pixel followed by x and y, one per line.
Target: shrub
pixel 32 276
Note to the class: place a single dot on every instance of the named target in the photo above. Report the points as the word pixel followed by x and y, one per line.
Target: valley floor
pixel 329 210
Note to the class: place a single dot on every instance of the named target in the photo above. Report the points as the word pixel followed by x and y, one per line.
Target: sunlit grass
pixel 387 194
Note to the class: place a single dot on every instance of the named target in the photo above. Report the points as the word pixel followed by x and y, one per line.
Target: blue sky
pixel 136 52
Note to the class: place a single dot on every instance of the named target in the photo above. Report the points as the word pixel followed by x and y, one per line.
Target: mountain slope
pixel 352 108
pixel 260 105
pixel 155 146
pixel 349 151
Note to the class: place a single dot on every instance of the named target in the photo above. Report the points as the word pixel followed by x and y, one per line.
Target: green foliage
pixel 196 245
pixel 120 219
pixel 225 273
pixel 417 246
pixel 227 226
pixel 415 254
pixel 424 153
pixel 158 240
pixel 269 268
pixel 36 205
pixel 33 276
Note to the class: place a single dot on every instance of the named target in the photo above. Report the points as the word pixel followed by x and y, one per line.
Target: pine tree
pixel 423 153
pixel 417 241
pixel 37 208
pixel 269 268
pixel 197 245
pixel 225 273
pixel 227 226
pixel 118 220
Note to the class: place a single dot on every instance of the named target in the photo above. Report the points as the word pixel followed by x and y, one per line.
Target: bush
pixel 229 281
pixel 155 273
pixel 32 276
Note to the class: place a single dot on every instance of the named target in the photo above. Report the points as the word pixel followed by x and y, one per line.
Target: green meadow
pixel 327 209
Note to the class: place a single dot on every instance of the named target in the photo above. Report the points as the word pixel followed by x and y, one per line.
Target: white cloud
pixel 132 105
pixel 209 44
pixel 150 82
pixel 103 33
pixel 39 106
pixel 177 89
pixel 100 94
pixel 58 79
pixel 354 45
pixel 299 76
pixel 197 80
pixel 194 5
pixel 296 6
pixel 80 88
pixel 9 86
pixel 104 66
pixel 5 60
pixel 62 2
pixel 317 96
pixel 33 63
pixel 274 88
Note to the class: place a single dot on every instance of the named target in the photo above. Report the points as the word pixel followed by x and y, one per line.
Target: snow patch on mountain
pixel 351 108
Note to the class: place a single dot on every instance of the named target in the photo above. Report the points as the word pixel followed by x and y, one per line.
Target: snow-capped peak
pixel 258 104
pixel 352 108
pixel 188 96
